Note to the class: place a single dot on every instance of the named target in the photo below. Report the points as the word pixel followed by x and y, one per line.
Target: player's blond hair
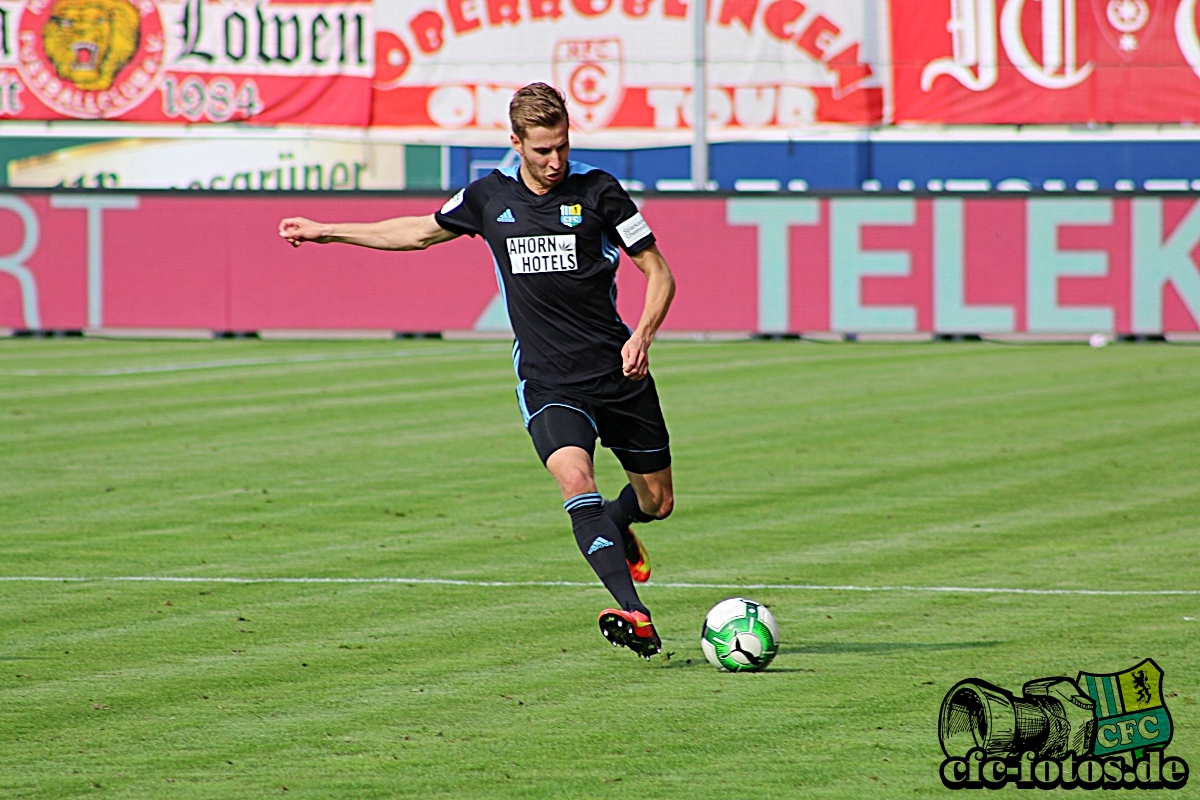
pixel 538 105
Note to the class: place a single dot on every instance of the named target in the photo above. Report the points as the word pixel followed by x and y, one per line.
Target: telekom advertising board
pixel 768 264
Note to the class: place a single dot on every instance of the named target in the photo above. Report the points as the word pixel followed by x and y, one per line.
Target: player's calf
pixel 657 502
pixel 623 511
pixel 603 545
pixel 627 509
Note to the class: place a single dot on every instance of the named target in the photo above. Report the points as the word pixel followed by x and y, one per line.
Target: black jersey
pixel 556 262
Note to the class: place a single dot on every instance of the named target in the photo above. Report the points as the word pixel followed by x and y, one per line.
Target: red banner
pixel 996 265
pixel 443 71
pixel 446 70
pixel 1050 61
pixel 280 61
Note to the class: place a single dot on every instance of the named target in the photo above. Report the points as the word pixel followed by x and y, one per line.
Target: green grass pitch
pixel 873 465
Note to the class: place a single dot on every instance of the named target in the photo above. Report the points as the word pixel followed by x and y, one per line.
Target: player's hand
pixel 298 229
pixel 635 358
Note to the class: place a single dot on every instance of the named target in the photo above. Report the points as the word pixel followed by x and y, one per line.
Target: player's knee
pixel 575 482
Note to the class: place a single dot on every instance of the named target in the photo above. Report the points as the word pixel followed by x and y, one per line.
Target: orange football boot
pixel 636 557
pixel 631 629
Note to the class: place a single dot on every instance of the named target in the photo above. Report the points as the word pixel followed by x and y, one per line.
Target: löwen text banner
pixel 187 61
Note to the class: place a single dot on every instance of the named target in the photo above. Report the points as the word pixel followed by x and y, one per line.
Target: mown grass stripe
pixel 240 362
pixel 808 587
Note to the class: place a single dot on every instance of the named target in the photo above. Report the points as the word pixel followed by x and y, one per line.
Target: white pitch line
pixel 238 362
pixel 806 587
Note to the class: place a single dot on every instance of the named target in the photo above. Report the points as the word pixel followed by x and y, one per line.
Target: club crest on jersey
pixel 570 215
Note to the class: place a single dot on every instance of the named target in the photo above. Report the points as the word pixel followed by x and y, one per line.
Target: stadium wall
pixel 768 263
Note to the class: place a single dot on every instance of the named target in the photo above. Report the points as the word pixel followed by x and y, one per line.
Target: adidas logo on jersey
pixel 507 216
pixel 599 544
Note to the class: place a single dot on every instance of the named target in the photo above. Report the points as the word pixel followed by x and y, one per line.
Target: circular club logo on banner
pixel 591 71
pixel 91 59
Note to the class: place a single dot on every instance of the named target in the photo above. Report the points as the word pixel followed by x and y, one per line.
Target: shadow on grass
pixel 834 648
pixel 678 662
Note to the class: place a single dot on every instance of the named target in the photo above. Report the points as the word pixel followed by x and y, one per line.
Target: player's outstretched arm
pixel 660 290
pixel 401 233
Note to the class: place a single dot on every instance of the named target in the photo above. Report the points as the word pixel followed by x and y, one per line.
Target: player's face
pixel 544 153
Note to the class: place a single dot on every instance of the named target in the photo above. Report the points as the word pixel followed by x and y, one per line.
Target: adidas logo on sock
pixel 507 216
pixel 599 544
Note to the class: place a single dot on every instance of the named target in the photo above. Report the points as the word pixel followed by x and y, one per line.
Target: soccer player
pixel 554 227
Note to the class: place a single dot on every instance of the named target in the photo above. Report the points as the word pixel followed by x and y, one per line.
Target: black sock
pixel 623 511
pixel 603 546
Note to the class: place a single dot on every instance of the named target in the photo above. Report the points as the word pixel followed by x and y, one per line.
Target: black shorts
pixel 625 415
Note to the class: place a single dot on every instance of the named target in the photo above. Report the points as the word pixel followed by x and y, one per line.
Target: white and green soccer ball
pixel 739 636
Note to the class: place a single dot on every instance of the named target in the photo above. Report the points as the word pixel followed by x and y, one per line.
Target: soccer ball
pixel 739 635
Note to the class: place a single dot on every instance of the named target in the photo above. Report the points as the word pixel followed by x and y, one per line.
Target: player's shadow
pixel 836 648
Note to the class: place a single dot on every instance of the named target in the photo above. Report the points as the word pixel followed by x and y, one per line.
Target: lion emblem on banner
pixel 90 41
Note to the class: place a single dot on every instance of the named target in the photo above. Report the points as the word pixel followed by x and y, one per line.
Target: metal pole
pixel 700 99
